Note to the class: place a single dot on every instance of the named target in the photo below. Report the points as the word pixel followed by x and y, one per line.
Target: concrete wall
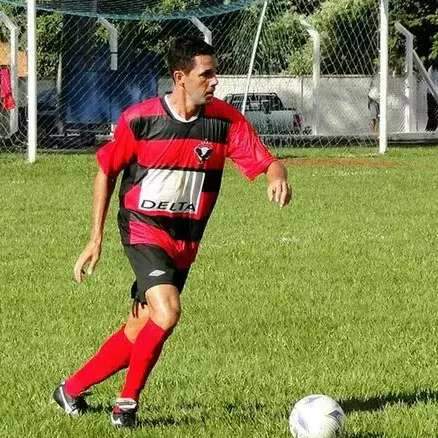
pixel 343 106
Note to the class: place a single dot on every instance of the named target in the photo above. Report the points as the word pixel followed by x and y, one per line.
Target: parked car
pixel 53 133
pixel 268 115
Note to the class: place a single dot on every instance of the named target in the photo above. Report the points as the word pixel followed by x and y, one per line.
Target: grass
pixel 335 295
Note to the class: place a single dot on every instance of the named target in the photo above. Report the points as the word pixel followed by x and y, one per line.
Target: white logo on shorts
pixel 156 273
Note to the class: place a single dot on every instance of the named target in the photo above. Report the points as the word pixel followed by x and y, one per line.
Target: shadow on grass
pixel 163 421
pixel 364 435
pixel 189 413
pixel 195 413
pixel 380 402
pixel 95 409
pixel 186 420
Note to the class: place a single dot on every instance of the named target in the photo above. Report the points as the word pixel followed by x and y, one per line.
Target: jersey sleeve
pixel 118 153
pixel 246 150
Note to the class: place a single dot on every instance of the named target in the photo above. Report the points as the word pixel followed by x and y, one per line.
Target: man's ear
pixel 178 77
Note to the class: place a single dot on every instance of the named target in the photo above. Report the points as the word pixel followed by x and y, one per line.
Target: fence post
pixel 384 67
pixel 316 77
pixel 31 81
pixel 113 41
pixel 253 55
pixel 410 110
pixel 204 29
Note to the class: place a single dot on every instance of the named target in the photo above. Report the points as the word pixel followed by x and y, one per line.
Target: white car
pixel 268 115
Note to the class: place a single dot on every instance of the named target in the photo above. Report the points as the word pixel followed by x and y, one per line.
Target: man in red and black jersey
pixel 172 151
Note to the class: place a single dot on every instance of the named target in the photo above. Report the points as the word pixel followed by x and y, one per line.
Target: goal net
pixel 304 72
pixel 94 61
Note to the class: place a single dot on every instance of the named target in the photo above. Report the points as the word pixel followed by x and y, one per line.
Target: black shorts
pixel 152 267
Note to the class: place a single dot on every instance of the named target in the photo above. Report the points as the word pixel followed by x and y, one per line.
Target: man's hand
pixel 103 189
pixel 280 191
pixel 87 261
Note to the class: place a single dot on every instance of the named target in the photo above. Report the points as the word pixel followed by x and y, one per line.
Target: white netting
pixel 410 97
pixel 95 58
pixel 90 67
pixel 333 106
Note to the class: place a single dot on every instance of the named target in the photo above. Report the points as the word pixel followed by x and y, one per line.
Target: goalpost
pixel 384 66
pixel 31 81
pixel 300 71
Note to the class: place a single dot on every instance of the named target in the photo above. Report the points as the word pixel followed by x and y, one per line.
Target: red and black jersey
pixel 173 171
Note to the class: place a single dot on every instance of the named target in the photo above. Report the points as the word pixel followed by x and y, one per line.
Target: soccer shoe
pixel 73 406
pixel 124 413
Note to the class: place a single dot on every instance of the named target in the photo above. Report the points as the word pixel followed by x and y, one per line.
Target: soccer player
pixel 172 151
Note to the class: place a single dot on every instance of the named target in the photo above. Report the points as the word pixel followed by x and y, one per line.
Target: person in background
pixel 373 103
pixel 432 104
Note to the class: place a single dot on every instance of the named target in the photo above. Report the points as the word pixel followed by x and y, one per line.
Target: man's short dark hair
pixel 182 50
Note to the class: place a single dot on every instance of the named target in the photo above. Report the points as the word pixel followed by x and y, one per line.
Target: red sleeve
pixel 246 149
pixel 118 153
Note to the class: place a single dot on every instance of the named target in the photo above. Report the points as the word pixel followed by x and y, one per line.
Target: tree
pixel 349 31
pixel 349 36
pixel 138 36
pixel 282 34
pixel 348 28
pixel 421 18
pixel 48 28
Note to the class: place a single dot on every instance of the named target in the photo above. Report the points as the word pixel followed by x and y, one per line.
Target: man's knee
pixel 136 321
pixel 164 305
pixel 166 317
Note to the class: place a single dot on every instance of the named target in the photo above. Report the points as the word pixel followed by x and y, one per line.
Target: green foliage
pixel 169 6
pixel 49 27
pixel 421 18
pixel 346 28
pixel 301 60
pixel 18 16
pixel 283 32
pixel 303 7
pixel 145 36
pixel 349 34
pixel 233 47
pixel 434 52
pixel 139 37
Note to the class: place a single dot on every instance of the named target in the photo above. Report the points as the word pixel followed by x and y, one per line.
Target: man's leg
pixel 164 312
pixel 137 319
pixel 113 356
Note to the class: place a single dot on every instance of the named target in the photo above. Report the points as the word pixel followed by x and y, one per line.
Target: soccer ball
pixel 316 416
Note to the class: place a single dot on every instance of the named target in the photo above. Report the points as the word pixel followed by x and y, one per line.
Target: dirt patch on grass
pixel 339 162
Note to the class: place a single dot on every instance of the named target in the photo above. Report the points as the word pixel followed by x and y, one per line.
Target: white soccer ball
pixel 316 416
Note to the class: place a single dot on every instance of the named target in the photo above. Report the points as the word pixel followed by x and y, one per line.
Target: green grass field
pixel 336 294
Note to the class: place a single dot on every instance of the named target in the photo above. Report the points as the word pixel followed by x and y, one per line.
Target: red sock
pixel 145 353
pixel 113 356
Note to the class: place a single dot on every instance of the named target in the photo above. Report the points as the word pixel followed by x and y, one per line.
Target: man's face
pixel 201 81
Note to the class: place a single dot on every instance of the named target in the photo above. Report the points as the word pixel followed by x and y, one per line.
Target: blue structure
pixel 92 93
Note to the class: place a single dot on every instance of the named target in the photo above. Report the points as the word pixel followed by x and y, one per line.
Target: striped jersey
pixel 173 171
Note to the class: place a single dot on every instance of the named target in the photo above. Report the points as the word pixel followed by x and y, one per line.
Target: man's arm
pixel 279 190
pixel 103 189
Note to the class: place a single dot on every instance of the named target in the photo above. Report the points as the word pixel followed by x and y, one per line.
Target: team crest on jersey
pixel 203 152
